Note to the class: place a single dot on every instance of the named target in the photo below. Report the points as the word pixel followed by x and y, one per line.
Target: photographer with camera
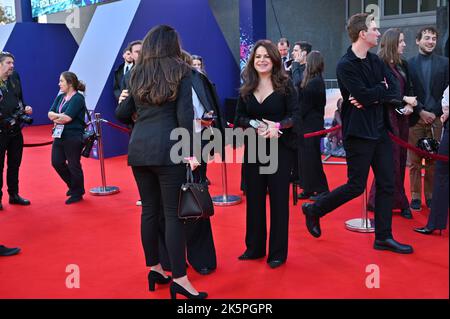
pixel 67 113
pixel 12 115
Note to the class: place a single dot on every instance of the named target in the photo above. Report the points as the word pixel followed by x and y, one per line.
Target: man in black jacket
pixel 365 85
pixel 299 53
pixel 120 72
pixel 12 112
pixel 283 47
pixel 429 76
pixel 122 83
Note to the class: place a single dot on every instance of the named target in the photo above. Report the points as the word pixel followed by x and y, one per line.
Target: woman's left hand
pixel 193 162
pixel 408 110
pixel 272 129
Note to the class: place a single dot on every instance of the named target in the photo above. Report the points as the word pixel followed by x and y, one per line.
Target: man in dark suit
pixel 299 53
pixel 123 69
pixel 283 47
pixel 135 49
pixel 429 76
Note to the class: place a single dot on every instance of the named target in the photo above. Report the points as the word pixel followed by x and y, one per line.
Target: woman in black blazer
pixel 312 101
pixel 267 95
pixel 161 92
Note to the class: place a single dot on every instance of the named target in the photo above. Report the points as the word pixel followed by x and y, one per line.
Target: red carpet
pixel 101 236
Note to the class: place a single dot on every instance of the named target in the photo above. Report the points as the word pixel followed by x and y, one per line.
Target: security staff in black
pixel 12 114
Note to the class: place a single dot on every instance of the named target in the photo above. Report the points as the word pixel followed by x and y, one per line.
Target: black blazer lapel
pixel 199 88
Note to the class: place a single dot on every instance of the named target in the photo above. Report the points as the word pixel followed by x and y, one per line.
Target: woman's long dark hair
pixel 159 69
pixel 250 75
pixel 314 67
pixel 388 51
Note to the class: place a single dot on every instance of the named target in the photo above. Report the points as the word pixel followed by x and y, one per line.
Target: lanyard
pixel 64 101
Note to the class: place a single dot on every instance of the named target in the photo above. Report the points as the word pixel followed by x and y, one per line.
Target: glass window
pixel 391 7
pixel 354 6
pixel 409 6
pixel 427 5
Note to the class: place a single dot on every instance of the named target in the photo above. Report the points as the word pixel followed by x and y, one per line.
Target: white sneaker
pixel 139 203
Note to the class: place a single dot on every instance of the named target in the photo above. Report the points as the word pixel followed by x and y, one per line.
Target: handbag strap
pixel 88 114
pixel 86 111
pixel 189 175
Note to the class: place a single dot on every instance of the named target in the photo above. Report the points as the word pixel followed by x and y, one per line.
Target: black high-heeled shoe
pixel 155 277
pixel 426 231
pixel 177 289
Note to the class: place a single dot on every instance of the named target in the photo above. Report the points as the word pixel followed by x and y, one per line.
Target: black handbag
pixel 89 137
pixel 194 201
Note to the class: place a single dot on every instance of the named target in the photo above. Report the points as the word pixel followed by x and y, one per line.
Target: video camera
pixel 18 116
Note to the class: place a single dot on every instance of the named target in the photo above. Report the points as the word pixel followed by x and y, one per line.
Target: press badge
pixel 57 131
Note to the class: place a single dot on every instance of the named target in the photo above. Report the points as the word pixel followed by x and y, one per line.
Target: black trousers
pixel 278 186
pixel 361 155
pixel 201 252
pixel 159 186
pixel 66 160
pixel 439 206
pixel 200 249
pixel 12 144
pixel 312 176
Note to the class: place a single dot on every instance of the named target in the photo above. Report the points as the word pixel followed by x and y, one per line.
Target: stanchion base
pixel 226 200
pixel 104 191
pixel 361 225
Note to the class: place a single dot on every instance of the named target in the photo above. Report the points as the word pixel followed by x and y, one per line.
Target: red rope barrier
pixel 123 129
pixel 38 144
pixel 318 133
pixel 335 128
pixel 323 132
pixel 422 153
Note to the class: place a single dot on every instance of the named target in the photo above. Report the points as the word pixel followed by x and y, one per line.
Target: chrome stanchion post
pixel 225 199
pixel 102 190
pixel 363 224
